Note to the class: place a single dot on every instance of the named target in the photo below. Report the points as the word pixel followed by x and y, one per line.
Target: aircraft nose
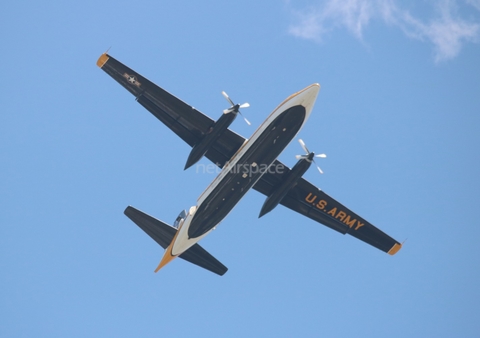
pixel 308 96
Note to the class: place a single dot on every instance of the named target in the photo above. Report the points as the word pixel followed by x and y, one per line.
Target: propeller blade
pixel 227 98
pixel 303 145
pixel 248 122
pixel 235 107
pixel 318 167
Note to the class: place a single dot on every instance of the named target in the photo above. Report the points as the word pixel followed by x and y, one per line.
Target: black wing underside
pixel 184 120
pixel 191 125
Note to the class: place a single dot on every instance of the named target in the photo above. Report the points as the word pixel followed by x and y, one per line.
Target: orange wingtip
pixel 102 60
pixel 395 249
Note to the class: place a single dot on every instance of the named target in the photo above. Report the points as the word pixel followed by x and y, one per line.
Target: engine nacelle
pixel 290 181
pixel 209 139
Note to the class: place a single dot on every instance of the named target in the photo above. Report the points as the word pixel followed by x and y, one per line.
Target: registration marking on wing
pixel 334 212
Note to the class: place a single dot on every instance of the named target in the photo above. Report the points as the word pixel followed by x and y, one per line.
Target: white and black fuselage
pixel 245 168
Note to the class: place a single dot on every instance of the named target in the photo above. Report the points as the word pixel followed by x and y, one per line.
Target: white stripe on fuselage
pixel 306 98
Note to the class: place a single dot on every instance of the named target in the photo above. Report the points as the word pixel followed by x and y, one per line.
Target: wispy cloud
pixel 447 30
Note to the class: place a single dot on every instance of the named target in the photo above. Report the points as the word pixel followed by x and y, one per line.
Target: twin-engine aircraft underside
pixel 245 164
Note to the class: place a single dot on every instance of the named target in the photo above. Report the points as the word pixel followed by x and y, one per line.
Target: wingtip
pixel 127 210
pixel 102 60
pixel 395 249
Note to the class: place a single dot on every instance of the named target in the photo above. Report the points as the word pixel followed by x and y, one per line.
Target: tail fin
pixel 163 234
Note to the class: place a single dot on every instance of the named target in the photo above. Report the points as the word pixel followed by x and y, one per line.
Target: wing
pixel 191 125
pixel 184 120
pixel 308 200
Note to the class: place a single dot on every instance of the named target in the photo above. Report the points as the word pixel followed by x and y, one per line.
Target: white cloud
pixel 447 31
pixel 316 22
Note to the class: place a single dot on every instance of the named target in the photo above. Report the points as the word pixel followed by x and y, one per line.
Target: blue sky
pixel 397 116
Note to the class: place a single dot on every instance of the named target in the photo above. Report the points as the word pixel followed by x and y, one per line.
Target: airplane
pixel 245 164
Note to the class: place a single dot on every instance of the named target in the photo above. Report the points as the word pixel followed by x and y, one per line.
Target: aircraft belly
pixel 247 171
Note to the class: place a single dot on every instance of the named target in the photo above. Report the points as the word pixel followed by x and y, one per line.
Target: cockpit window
pixel 181 216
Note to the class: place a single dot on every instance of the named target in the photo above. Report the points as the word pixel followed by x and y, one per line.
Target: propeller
pixel 309 155
pixel 235 108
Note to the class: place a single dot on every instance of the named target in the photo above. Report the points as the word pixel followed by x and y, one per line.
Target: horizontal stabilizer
pixel 163 234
